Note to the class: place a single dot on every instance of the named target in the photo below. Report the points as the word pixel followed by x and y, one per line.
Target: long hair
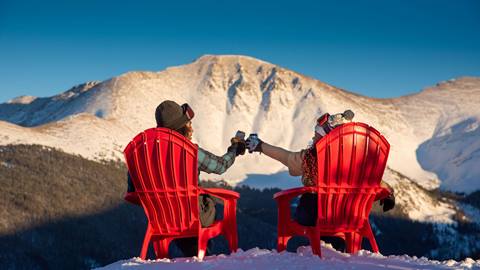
pixel 309 167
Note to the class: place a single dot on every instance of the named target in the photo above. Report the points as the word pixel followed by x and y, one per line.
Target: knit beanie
pixel 170 115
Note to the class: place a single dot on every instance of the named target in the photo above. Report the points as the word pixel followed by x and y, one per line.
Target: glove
pixel 388 203
pixel 254 144
pixel 239 144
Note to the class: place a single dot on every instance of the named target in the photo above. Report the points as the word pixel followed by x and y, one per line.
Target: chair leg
pixel 202 246
pixel 233 227
pixel 282 242
pixel 371 237
pixel 146 241
pixel 161 247
pixel 283 234
pixel 348 242
pixel 232 240
pixel 230 227
pixel 353 242
pixel 314 237
pixel 282 237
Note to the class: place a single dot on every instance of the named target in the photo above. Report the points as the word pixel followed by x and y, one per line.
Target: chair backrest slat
pixel 152 198
pixel 142 182
pixel 159 173
pixel 351 160
pixel 163 167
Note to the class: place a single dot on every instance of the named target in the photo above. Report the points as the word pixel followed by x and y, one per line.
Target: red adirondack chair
pixel 351 160
pixel 163 167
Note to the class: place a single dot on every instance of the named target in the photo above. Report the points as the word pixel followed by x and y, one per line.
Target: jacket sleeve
pixel 210 163
pixel 293 160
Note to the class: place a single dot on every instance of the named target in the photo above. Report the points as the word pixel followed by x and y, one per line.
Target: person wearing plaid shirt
pixel 173 116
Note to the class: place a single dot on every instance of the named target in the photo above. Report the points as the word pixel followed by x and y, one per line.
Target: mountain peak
pixel 234 64
pixel 229 59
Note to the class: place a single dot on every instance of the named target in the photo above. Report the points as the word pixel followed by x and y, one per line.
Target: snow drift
pixel 303 259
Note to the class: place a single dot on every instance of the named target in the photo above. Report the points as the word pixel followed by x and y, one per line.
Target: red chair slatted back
pixel 163 167
pixel 351 161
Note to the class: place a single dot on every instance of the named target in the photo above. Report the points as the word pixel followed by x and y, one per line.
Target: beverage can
pixel 253 136
pixel 240 134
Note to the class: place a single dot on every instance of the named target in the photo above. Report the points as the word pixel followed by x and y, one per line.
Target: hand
pixel 388 203
pixel 239 144
pixel 254 144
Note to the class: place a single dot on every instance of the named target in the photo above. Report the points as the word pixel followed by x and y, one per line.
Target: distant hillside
pixel 61 211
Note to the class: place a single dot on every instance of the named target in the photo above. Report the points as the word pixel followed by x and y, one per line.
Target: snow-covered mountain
pixel 434 134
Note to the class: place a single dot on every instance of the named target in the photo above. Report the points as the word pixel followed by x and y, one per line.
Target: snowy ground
pixel 303 259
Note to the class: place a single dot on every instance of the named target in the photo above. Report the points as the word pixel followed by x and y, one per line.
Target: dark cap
pixel 171 115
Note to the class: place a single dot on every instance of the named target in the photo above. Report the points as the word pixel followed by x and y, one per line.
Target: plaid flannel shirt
pixel 210 163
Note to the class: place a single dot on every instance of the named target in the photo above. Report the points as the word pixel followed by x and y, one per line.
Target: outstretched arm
pixel 293 160
pixel 210 163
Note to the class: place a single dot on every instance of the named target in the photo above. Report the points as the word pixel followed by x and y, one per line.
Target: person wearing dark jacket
pixel 171 115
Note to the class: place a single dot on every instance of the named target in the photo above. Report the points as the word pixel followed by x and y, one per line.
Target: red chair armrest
pixel 221 193
pixel 132 197
pixel 294 192
pixel 382 193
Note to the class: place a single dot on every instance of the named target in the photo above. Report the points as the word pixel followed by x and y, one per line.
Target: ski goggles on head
pixel 322 127
pixel 188 111
pixel 322 119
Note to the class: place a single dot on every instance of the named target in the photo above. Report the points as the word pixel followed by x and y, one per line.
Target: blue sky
pixel 383 48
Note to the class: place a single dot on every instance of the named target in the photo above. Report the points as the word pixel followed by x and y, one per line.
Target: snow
pixel 304 259
pixel 454 155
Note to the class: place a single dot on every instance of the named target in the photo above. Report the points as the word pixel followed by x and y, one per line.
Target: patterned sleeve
pixel 210 163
